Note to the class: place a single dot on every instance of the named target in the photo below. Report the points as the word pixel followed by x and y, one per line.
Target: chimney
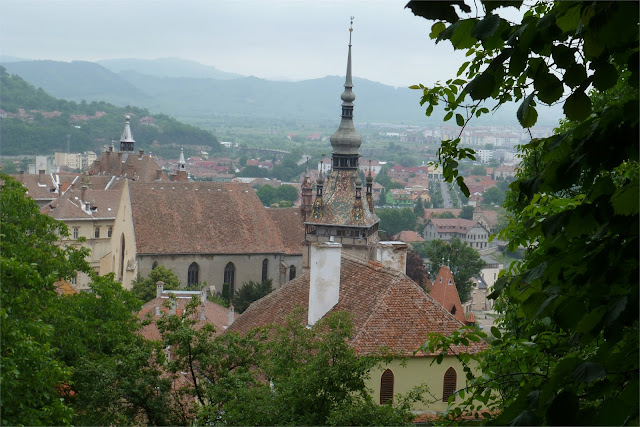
pixel 159 288
pixel 140 153
pixel 83 193
pixel 324 279
pixel 158 174
pixel 110 149
pixel 231 315
pixel 172 177
pixel 182 176
pixel 130 170
pixel 393 255
pixel 21 175
pixel 41 176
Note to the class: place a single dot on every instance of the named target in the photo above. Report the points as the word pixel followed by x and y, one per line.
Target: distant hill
pixel 168 67
pixel 34 122
pixel 79 80
pixel 203 100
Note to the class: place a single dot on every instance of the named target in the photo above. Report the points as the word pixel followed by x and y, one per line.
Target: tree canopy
pixel 570 309
pixel 145 289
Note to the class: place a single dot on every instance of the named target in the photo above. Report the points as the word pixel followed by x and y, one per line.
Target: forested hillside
pixel 90 125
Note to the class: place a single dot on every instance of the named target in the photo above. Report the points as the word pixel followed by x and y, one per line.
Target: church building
pixel 347 268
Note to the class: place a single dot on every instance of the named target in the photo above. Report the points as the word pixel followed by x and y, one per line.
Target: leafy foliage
pixel 466 212
pixel 284 375
pixel 416 269
pixel 250 292
pixel 270 195
pixel 145 289
pixel 394 221
pixel 570 309
pixel 463 261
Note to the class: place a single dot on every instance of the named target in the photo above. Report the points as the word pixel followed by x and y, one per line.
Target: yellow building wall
pixel 416 371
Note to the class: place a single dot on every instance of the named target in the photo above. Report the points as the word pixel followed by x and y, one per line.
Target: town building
pixel 206 232
pixel 470 232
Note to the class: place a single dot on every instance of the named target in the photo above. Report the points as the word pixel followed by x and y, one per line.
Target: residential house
pixel 470 232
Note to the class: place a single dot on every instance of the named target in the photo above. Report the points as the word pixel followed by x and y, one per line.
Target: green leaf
pixel 439 11
pixel 575 75
pixel 482 86
pixel 492 5
pixel 569 20
pixel 448 116
pixel 518 62
pixel 496 332
pixel 625 200
pixel 563 409
pixel 486 27
pixel 436 29
pixel 577 106
pixel 459 120
pixel 563 56
pixel 587 372
pixel 549 88
pixel 460 34
pixel 605 76
pixel 526 114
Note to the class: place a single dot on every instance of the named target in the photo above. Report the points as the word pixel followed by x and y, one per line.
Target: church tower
pixel 126 140
pixel 340 213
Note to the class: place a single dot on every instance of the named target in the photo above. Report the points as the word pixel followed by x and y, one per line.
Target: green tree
pixel 394 221
pixel 249 292
pixel 418 208
pixel 287 193
pixel 478 170
pixel 145 289
pixel 267 195
pixel 314 373
pixel 463 261
pixel 493 196
pixel 570 309
pixel 466 212
pixel 30 264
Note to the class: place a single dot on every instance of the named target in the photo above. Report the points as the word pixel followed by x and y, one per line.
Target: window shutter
pixel 449 384
pixel 386 386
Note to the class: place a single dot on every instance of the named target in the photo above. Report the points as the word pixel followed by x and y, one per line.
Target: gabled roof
pixel 139 166
pixel 201 217
pixel 388 309
pixel 445 292
pixel 103 205
pixel 453 225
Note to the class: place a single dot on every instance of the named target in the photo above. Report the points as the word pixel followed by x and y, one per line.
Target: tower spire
pixel 126 140
pixel 346 141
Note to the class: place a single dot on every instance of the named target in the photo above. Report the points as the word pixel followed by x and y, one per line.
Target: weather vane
pixel 350 30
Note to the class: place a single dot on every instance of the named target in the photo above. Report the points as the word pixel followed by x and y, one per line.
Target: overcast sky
pixel 275 39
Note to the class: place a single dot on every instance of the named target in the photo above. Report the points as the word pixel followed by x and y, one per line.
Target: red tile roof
pixel 388 309
pixel 214 314
pixel 291 227
pixel 445 292
pixel 408 237
pixel 201 217
pixel 453 225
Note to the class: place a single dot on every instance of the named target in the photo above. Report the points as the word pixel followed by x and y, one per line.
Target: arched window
pixel 230 277
pixel 265 269
pixel 154 265
pixel 449 385
pixel 386 387
pixel 292 272
pixel 121 256
pixel 193 274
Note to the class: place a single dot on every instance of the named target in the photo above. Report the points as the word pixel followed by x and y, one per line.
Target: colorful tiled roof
pixel 388 309
pixel 339 205
pixel 445 292
pixel 201 217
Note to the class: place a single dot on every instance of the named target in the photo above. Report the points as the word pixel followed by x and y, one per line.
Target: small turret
pixel 126 140
pixel 307 194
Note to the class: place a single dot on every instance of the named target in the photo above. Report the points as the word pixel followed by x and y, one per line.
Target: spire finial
pixel 350 30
